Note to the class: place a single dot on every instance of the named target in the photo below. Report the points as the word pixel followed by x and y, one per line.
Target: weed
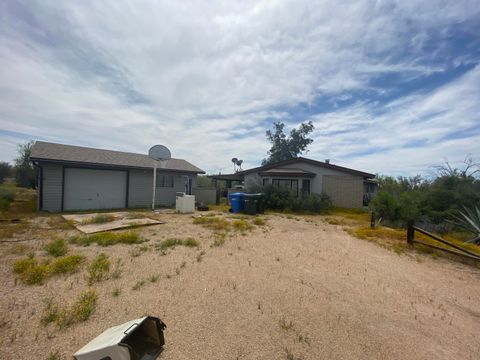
pixel 259 221
pixel 200 255
pixel 108 238
pixel 58 222
pixel 153 278
pixel 241 225
pixel 117 269
pixel 399 248
pixel 79 311
pixel 116 292
pixel 57 247
pixel 285 325
pixel 67 264
pixel 219 239
pixel 99 219
pixel 54 355
pixel 290 356
pixel 98 269
pixel 31 272
pixel 214 223
pixel 172 242
pixel 190 242
pixel 138 250
pixel 138 284
pixel 18 249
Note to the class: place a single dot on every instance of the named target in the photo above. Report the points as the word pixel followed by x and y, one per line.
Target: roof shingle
pixel 45 151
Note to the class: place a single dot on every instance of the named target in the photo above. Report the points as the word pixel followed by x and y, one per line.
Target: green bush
pixel 7 195
pixel 57 247
pixel 66 265
pixel 386 206
pixel 277 198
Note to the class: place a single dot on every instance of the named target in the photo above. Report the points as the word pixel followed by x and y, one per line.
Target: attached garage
pixel 87 189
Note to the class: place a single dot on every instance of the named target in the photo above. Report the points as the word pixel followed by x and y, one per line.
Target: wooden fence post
pixel 410 232
pixel 372 221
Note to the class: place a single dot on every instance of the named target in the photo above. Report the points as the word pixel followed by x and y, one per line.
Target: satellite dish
pixel 239 163
pixel 234 160
pixel 159 152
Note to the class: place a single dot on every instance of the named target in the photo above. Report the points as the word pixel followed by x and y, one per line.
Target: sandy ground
pixel 345 298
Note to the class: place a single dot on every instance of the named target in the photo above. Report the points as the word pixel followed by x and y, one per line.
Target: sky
pixel 391 87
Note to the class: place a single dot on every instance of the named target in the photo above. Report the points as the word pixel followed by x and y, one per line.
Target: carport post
pixel 154 184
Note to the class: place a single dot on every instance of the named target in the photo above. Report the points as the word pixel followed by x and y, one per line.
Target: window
pixel 164 181
pixel 305 187
pixel 265 182
pixel 286 183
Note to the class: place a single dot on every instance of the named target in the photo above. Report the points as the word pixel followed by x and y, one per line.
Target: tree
pixel 25 173
pixel 283 147
pixel 5 171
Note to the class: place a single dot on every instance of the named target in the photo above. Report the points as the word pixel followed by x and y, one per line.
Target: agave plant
pixel 470 221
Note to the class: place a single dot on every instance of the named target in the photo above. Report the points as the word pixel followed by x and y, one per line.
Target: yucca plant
pixel 469 219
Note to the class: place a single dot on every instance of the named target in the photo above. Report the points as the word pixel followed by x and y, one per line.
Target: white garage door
pixel 87 189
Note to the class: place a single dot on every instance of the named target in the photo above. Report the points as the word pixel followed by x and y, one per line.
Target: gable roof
pixel 52 152
pixel 308 161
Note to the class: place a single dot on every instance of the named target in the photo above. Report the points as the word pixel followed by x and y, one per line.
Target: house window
pixel 286 183
pixel 305 187
pixel 165 181
pixel 265 181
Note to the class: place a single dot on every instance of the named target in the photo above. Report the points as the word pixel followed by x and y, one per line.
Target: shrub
pixel 172 242
pixel 277 198
pixel 98 269
pixel 241 225
pixel 385 205
pixel 214 223
pixel 57 247
pixel 7 195
pixel 190 242
pixel 108 238
pixel 259 221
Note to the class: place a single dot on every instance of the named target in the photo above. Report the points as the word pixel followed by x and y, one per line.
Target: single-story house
pixel 345 187
pixel 82 178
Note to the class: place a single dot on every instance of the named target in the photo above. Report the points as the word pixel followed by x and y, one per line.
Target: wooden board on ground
pixel 121 221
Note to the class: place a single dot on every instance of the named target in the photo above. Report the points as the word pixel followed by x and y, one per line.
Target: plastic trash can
pixel 250 205
pixel 257 202
pixel 139 339
pixel 236 202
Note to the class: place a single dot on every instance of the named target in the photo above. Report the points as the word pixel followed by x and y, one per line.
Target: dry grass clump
pixel 79 311
pixel 241 225
pixel 172 242
pixel 214 223
pixel 98 269
pixel 108 238
pixel 138 285
pixel 99 219
pixel 57 247
pixel 58 222
pixel 31 272
pixel 219 239
pixel 259 221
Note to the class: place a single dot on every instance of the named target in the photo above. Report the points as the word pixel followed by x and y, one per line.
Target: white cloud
pixel 201 77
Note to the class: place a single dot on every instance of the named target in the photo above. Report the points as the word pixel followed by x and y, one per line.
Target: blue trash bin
pixel 236 202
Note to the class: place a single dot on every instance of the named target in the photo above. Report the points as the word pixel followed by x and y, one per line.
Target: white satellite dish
pixel 159 152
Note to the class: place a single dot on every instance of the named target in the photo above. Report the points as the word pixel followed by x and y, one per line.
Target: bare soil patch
pixel 292 288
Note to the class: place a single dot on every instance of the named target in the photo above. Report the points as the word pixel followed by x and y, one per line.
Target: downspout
pixel 154 185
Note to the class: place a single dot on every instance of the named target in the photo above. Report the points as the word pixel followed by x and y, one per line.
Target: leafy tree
pixel 5 171
pixel 25 173
pixel 287 147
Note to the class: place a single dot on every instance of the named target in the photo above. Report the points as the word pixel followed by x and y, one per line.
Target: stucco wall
pixel 205 195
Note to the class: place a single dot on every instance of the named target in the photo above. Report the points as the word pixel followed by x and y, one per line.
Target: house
pixel 345 187
pixel 82 178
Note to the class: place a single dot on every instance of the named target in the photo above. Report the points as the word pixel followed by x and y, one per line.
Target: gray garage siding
pixel 140 189
pixel 52 178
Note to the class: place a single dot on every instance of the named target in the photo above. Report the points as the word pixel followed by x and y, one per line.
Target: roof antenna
pixel 237 164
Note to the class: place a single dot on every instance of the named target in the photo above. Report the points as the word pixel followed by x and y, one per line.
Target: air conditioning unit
pixel 185 204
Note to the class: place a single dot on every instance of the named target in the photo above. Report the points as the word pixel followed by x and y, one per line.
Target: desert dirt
pixel 296 288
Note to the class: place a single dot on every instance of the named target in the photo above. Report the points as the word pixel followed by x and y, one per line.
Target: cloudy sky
pixel 392 87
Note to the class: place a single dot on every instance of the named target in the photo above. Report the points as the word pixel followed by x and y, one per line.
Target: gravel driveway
pixel 293 289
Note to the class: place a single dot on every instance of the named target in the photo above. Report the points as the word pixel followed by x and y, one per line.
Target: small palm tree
pixel 470 221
